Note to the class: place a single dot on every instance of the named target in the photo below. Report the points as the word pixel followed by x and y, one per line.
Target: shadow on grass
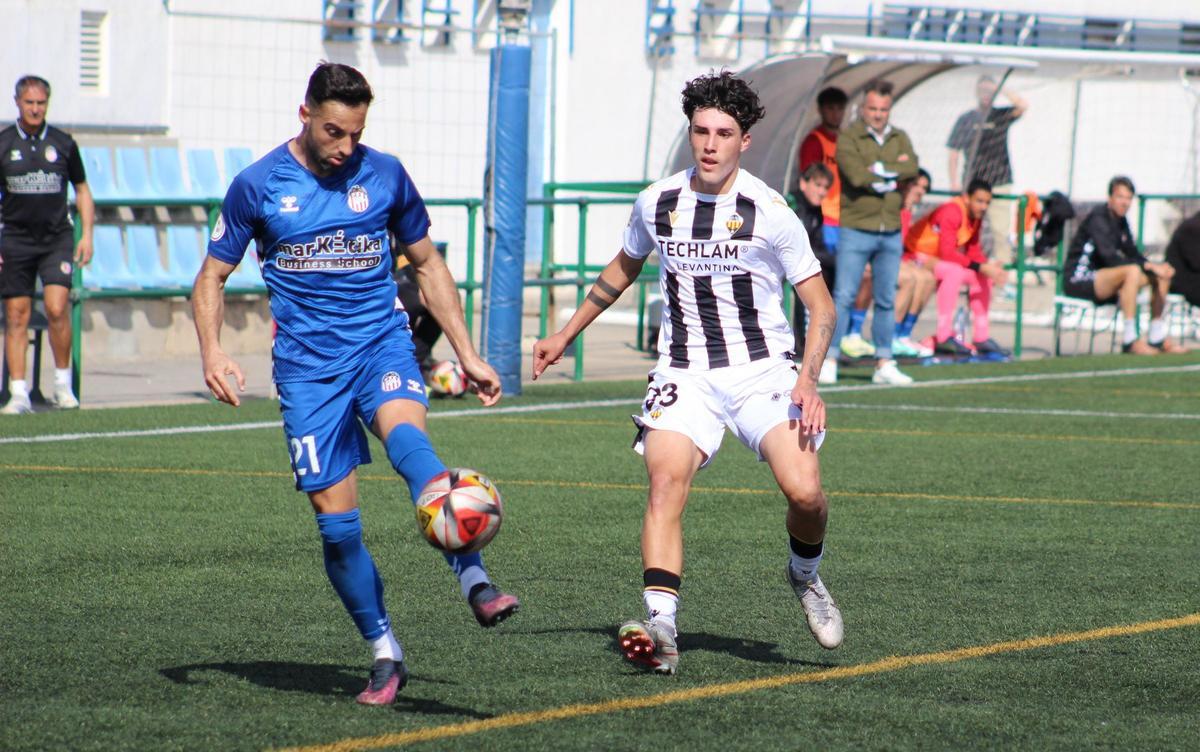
pixel 737 647
pixel 318 679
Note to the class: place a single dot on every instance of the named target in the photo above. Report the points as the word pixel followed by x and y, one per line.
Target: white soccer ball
pixel 459 511
pixel 447 378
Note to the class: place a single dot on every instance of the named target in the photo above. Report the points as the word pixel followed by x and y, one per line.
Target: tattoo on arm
pixel 607 289
pixel 824 336
pixel 598 301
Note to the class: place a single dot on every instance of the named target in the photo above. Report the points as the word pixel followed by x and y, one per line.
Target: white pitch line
pixel 555 406
pixel 1010 411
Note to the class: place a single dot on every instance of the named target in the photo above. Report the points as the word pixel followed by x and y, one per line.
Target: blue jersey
pixel 324 249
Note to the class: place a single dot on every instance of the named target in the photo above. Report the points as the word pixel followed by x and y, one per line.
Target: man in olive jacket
pixel 872 156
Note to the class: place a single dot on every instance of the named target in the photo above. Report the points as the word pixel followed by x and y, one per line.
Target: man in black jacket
pixel 1183 254
pixel 814 186
pixel 1105 266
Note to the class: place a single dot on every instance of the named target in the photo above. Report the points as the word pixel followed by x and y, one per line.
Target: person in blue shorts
pixel 321 207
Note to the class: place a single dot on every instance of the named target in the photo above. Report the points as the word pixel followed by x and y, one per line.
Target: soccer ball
pixel 459 511
pixel 447 379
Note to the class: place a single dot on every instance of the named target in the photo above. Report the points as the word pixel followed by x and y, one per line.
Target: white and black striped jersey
pixel 721 260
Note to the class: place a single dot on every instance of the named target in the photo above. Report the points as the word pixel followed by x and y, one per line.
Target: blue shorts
pixel 323 420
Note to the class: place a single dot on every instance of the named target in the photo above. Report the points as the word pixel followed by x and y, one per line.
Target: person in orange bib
pixel 950 234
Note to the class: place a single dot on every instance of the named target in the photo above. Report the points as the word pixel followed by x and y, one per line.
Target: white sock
pixel 62 376
pixel 1158 330
pixel 385 646
pixel 1130 334
pixel 470 577
pixel 805 569
pixel 661 607
pixel 19 387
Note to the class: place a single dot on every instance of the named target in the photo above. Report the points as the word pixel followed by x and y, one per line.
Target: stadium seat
pixel 97 163
pixel 108 268
pixel 247 274
pixel 144 260
pixel 203 174
pixel 237 158
pixel 183 254
pixel 166 175
pixel 133 177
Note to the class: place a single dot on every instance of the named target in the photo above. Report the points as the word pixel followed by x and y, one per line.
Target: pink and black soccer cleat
pixel 388 677
pixel 492 606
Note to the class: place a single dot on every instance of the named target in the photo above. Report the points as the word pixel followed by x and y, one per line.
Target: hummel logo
pixel 673 216
pixel 287 204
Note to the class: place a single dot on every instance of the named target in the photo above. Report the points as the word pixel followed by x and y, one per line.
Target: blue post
pixel 504 193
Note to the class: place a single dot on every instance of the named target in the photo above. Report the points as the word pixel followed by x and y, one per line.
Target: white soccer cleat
pixel 828 374
pixel 64 398
pixel 18 404
pixel 824 617
pixel 649 645
pixel 888 373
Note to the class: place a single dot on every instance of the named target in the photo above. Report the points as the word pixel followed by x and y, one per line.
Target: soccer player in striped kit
pixel 724 241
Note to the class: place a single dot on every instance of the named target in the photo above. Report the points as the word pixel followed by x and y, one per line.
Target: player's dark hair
pixel 831 95
pixel 978 185
pixel 725 92
pixel 879 86
pixel 338 82
pixel 1120 180
pixel 24 82
pixel 817 171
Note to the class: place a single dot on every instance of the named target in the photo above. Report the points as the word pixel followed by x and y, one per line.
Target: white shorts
pixel 750 400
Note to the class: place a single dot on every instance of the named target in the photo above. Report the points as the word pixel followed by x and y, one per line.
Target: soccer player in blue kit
pixel 320 207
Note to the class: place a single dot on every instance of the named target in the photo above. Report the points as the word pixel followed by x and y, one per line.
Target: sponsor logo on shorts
pixel 734 223
pixel 65 267
pixel 656 414
pixel 287 205
pixel 357 199
pixel 218 228
pixel 391 382
pixel 776 396
pixel 415 386
pixel 51 153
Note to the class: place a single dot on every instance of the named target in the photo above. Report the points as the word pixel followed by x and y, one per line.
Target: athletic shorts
pixel 23 260
pixel 323 421
pixel 1086 289
pixel 750 400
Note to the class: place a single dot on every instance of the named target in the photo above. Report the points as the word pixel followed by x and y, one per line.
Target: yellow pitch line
pixel 591 485
pixel 893 663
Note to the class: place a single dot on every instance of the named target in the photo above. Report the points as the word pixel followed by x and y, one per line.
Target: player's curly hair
pixel 725 92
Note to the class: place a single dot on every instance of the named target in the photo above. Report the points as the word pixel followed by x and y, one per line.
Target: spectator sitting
pixel 950 234
pixel 916 283
pixel 1183 254
pixel 1105 266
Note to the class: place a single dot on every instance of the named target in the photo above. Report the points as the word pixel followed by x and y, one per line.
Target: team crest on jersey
pixel 391 382
pixel 51 153
pixel 673 216
pixel 357 199
pixel 218 231
pixel 15 155
pixel 287 205
pixel 734 223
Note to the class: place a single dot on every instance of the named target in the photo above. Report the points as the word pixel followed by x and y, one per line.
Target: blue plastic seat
pixel 133 177
pixel 145 262
pixel 237 158
pixel 97 163
pixel 247 274
pixel 108 269
pixel 203 174
pixel 166 174
pixel 183 254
